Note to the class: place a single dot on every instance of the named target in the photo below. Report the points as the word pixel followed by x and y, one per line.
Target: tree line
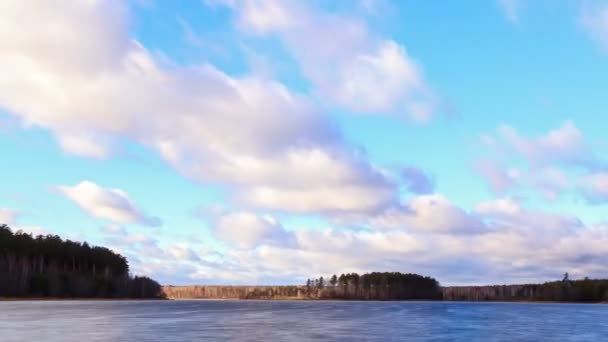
pixel 375 286
pixel 566 290
pixel 582 291
pixel 48 266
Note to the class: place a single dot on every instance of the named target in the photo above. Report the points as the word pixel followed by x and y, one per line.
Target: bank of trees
pixel 579 291
pixel 375 286
pixel 583 290
pixel 48 266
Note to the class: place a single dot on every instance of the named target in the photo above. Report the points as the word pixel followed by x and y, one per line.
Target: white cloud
pixel 181 252
pixel 501 206
pixel 274 148
pixel 517 245
pixel 429 214
pixel 109 204
pixel 564 145
pixel 348 65
pixel 547 163
pixel 79 75
pixel 248 230
pixel 7 216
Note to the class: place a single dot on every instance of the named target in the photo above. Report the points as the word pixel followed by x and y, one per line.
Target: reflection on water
pixel 299 321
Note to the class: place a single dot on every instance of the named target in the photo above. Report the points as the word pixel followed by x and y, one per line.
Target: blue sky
pixel 261 141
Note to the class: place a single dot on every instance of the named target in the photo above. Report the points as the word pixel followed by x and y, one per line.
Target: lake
pixel 89 321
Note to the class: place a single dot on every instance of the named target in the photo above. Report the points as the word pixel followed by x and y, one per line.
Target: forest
pixel 375 286
pixel 582 290
pixel 48 266
pixel 566 290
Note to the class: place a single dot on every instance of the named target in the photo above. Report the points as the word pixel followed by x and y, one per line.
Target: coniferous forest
pixel 375 286
pixel 48 266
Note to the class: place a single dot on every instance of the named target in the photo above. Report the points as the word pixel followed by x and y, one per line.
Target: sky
pixel 271 141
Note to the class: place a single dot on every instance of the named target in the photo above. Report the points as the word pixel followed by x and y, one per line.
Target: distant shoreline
pixel 517 293
pixel 286 299
pixel 76 299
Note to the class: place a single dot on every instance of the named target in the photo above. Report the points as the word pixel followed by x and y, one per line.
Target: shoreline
pixel 76 299
pixel 286 299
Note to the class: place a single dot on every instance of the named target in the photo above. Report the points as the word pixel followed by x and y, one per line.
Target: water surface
pixel 66 321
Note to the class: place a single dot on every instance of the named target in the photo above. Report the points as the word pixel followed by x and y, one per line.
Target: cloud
pixel 248 230
pixel 595 22
pixel 545 163
pixel 349 67
pixel 81 77
pixel 181 252
pixel 114 229
pixel 109 204
pixel 501 206
pixel 595 187
pixel 516 244
pixel 519 245
pixel 284 152
pixel 563 145
pixel 417 181
pixel 498 177
pixel 432 213
pixel 7 216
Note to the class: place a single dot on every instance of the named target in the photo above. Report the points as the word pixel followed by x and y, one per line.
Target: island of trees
pixel 375 286
pixel 48 266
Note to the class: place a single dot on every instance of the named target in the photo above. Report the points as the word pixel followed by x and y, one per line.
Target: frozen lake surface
pixel 66 321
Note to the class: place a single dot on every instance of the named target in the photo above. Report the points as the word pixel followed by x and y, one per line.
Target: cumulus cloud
pixel 109 204
pixel 274 148
pixel 501 206
pixel 248 230
pixel 348 65
pixel 7 216
pixel 432 213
